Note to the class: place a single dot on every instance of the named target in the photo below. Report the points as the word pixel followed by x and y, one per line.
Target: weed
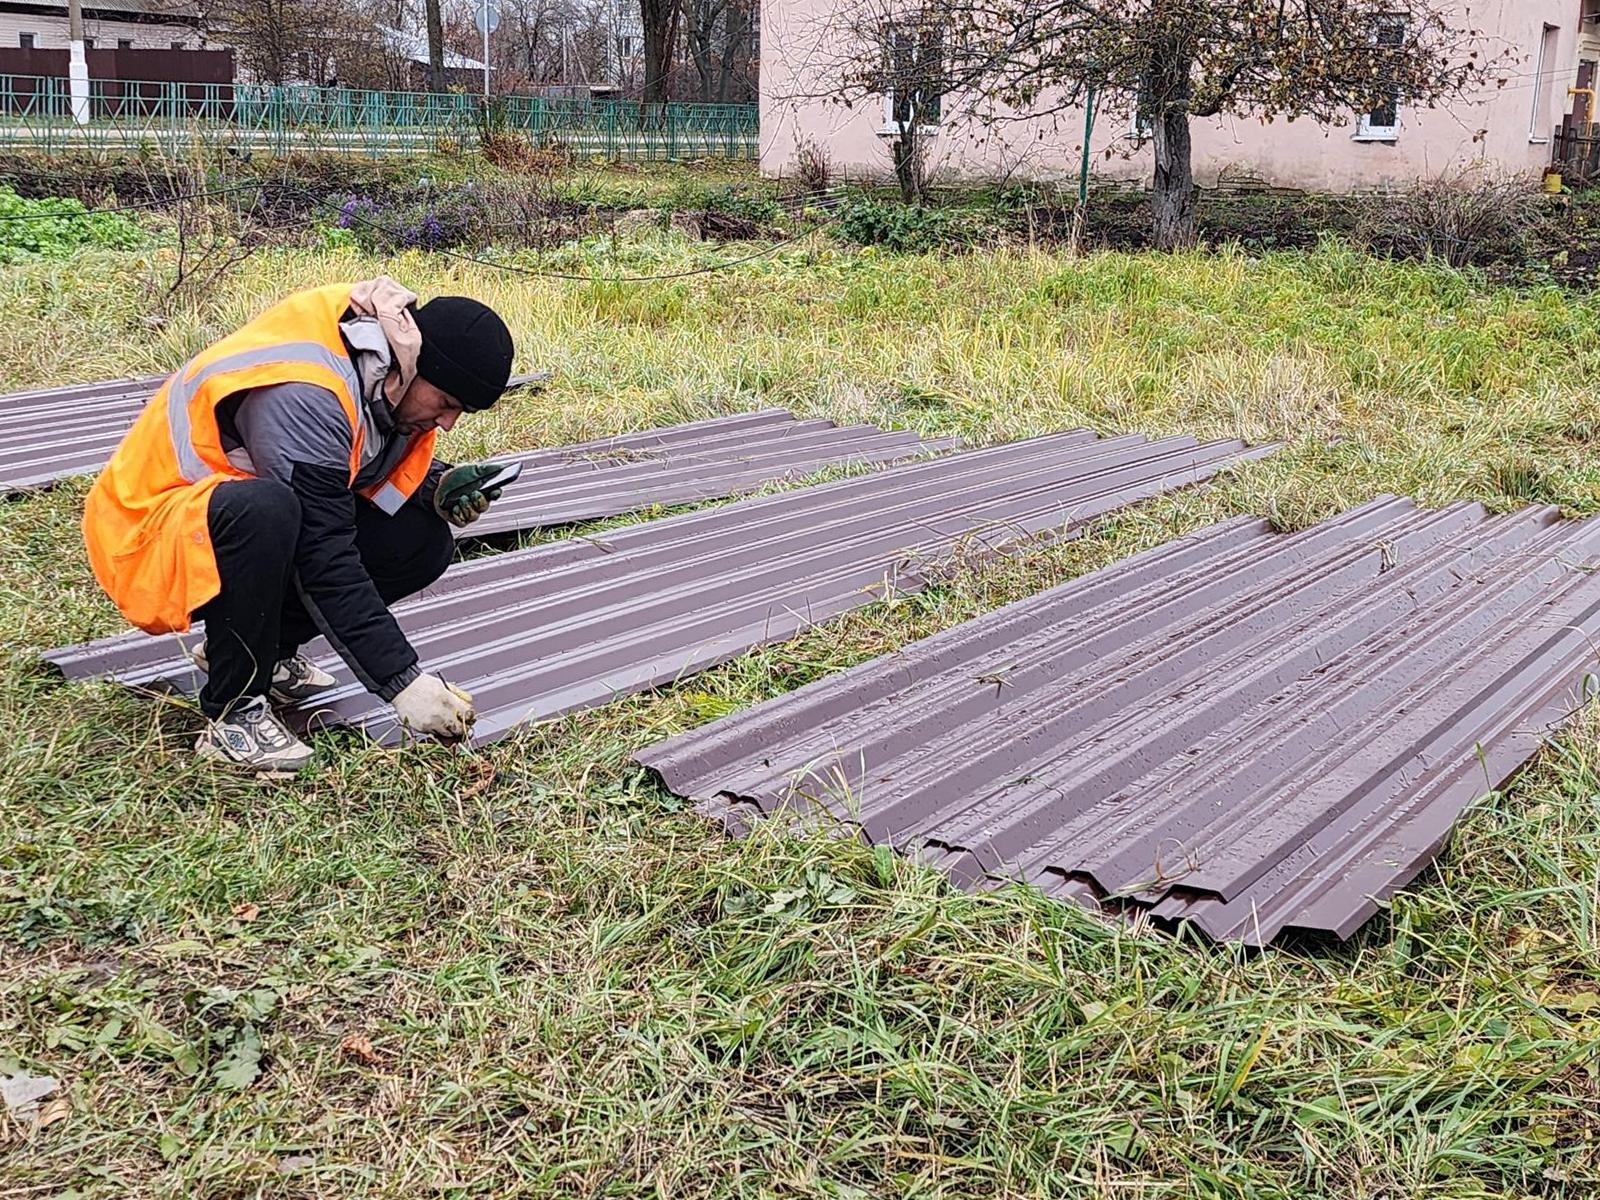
pixel 908 229
pixel 54 227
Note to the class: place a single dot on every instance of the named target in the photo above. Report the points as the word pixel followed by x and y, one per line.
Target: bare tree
pixel 1171 60
pixel 661 19
pixel 552 41
pixel 435 22
pixel 738 50
pixel 277 41
pixel 717 39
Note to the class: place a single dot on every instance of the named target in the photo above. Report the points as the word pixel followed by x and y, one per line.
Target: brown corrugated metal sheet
pixel 1246 730
pixel 703 460
pixel 567 626
pixel 54 433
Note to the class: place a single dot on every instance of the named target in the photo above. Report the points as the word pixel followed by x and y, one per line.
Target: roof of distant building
pixel 185 11
pixel 415 47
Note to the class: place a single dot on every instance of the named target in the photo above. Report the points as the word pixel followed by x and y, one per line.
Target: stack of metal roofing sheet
pixel 1242 729
pixel 51 434
pixel 703 460
pixel 567 626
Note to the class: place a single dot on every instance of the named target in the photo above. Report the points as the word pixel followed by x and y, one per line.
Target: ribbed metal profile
pixel 682 464
pixel 551 630
pixel 54 433
pixel 1250 731
pixel 50 434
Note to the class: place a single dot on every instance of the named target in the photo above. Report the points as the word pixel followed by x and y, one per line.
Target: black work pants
pixel 258 618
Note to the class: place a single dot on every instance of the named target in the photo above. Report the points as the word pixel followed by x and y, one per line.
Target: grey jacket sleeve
pixel 298 434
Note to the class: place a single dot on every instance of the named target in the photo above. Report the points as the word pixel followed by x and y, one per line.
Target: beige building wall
pixel 50 33
pixel 1508 127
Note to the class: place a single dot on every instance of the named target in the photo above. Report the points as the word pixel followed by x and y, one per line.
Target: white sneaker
pixel 252 737
pixel 298 678
pixel 293 679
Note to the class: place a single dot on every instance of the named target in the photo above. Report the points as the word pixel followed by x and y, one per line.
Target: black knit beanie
pixel 466 350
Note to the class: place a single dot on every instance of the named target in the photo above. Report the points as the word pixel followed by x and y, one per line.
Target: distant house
pixel 624 44
pixel 107 25
pixel 460 70
pixel 1509 126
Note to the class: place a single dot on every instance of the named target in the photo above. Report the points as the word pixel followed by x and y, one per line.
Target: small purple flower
pixel 355 210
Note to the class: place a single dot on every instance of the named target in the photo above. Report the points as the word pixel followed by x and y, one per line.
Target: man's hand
pixel 460 498
pixel 429 705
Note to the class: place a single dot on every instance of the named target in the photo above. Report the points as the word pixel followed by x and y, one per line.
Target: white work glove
pixel 429 705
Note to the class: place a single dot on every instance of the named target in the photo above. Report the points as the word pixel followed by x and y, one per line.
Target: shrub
pixel 813 169
pixel 905 228
pixel 434 222
pixel 731 202
pixel 57 228
pixel 1472 218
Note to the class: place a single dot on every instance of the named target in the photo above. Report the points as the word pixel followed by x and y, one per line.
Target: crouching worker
pixel 282 484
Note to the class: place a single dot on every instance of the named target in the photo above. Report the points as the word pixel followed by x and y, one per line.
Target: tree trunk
pixel 1172 88
pixel 909 167
pixel 1174 183
pixel 435 47
pixel 738 31
pixel 660 21
pixel 702 29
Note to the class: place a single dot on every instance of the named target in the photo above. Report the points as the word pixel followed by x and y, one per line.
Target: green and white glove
pixel 460 498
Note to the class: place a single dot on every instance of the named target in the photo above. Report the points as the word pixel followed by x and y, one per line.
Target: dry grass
pixel 528 973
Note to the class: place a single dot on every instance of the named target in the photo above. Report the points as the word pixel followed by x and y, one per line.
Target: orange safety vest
pixel 145 519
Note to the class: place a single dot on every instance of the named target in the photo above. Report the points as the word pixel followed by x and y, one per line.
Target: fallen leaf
pixel 58 1109
pixel 480 785
pixel 241 1065
pixel 245 912
pixel 295 1162
pixel 358 1047
pixel 22 1093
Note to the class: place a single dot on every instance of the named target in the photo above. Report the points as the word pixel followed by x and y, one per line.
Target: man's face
pixel 425 407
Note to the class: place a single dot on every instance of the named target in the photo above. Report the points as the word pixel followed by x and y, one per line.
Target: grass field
pixel 529 973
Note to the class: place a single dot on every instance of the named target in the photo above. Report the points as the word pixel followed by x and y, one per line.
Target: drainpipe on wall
pixel 78 65
pixel 1588 94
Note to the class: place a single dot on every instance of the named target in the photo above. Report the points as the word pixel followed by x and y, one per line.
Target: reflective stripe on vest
pixel 181 391
pixel 388 498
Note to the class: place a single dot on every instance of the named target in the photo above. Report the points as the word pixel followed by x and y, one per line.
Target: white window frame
pixel 892 128
pixel 1366 131
pixel 1539 121
pixel 32 42
pixel 1140 128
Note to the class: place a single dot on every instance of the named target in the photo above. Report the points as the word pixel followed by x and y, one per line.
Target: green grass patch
pixel 530 973
pixel 56 227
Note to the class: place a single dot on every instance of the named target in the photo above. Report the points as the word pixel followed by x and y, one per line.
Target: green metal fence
pixel 36 114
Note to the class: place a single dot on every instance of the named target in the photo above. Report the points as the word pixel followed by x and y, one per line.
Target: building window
pixel 26 40
pixel 1382 122
pixel 627 47
pixel 1141 124
pixel 88 43
pixel 914 87
pixel 177 46
pixel 1544 86
pixel 124 43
